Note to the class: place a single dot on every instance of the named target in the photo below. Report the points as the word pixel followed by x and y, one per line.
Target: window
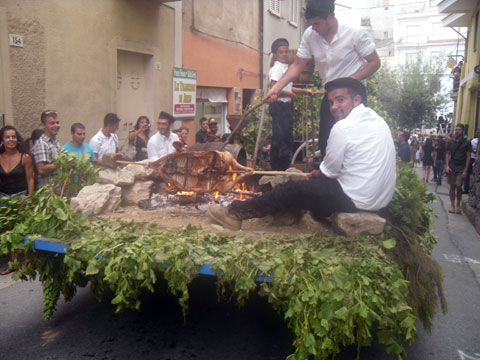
pixel 365 21
pixel 437 28
pixel 385 35
pixel 411 57
pixel 275 7
pixel 413 34
pixel 293 11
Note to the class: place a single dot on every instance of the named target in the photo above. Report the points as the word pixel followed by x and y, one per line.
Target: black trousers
pixel 327 121
pixel 282 135
pixel 322 196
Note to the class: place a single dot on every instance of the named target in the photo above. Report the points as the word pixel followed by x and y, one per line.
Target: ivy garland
pixel 331 290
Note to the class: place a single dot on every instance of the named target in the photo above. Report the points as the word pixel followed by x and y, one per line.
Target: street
pixel 85 328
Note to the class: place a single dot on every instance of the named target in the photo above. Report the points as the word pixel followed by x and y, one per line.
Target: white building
pixel 281 19
pixel 418 31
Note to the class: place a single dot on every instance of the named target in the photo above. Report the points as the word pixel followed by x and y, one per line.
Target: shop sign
pixel 184 93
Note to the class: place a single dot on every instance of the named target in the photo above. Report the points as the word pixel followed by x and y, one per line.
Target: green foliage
pixel 332 290
pixel 74 173
pixel 415 241
pixel 411 94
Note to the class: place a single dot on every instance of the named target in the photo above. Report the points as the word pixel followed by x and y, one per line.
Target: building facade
pixel 418 31
pixel 466 14
pixel 228 45
pixel 85 59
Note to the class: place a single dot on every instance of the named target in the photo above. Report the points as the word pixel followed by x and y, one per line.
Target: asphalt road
pixel 85 328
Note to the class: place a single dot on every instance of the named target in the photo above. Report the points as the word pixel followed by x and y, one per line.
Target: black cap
pixel 346 82
pixel 324 6
pixel 277 43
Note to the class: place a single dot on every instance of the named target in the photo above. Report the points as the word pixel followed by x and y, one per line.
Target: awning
pixel 457 6
pixel 214 95
pixel 457 20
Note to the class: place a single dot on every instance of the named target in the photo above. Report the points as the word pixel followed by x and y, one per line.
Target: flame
pixel 216 194
pixel 185 193
pixel 244 187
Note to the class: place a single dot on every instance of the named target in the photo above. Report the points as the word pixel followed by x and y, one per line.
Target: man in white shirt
pixel 105 141
pixel 358 172
pixel 161 143
pixel 338 51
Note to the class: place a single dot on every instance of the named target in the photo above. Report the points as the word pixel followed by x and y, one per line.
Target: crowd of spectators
pixel 451 156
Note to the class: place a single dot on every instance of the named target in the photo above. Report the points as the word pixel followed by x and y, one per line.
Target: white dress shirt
pixel 342 57
pixel 474 143
pixel 276 72
pixel 102 144
pixel 159 145
pixel 361 156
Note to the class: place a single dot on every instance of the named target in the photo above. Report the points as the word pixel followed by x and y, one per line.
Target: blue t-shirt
pixel 80 150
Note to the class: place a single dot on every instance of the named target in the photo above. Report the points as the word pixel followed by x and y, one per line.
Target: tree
pixel 411 94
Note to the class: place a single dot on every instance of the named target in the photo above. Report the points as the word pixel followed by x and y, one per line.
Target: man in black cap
pixel 338 51
pixel 358 172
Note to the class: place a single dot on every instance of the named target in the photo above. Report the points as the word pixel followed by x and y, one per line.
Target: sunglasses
pixel 49 112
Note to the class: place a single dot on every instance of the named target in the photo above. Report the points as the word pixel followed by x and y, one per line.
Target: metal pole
pixel 259 135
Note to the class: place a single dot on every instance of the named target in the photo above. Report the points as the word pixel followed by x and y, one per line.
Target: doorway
pixel 135 90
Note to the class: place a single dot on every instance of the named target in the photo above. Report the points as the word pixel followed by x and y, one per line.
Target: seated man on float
pixel 358 172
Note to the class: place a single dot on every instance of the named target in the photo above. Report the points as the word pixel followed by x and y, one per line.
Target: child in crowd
pixel 281 110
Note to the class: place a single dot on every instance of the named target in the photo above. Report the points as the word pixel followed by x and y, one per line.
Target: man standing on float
pixel 338 51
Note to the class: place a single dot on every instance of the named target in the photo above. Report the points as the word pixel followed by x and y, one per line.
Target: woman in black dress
pixel 16 170
pixel 139 137
pixel 427 158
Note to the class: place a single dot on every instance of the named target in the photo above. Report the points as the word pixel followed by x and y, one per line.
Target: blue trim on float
pixel 53 245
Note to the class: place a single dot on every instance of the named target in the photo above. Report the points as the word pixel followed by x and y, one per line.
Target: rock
pixel 137 193
pixel 97 199
pixel 140 172
pixel 280 179
pixel 119 177
pixel 352 224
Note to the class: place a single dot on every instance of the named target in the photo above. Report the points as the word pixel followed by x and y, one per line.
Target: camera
pixel 147 126
pixel 476 69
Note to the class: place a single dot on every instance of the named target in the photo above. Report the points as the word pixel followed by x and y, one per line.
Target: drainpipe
pixel 260 41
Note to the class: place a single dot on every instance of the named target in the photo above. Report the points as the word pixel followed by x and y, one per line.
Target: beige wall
pixel 233 20
pixel 69 59
pixel 221 42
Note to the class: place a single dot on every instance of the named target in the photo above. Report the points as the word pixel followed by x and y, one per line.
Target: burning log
pixel 200 171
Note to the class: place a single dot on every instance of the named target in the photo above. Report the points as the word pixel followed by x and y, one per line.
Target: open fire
pixel 171 198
